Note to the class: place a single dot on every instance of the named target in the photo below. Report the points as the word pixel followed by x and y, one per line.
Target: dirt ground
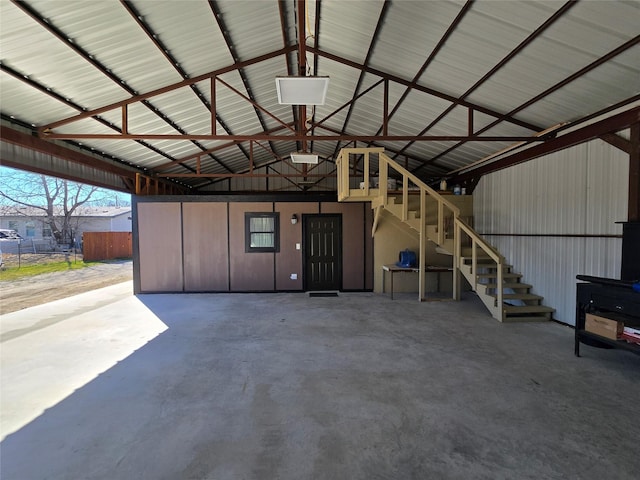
pixel 30 291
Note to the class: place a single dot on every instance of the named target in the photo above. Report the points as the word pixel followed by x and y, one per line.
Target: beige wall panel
pixel 160 246
pixel 289 260
pixel 206 254
pixel 248 271
pixel 353 256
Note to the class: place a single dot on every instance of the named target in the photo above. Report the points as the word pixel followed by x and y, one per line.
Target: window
pixel 31 229
pixel 46 232
pixel 261 232
pixel 13 225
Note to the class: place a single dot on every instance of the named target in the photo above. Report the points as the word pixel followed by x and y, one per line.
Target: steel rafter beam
pixel 422 88
pixel 286 41
pixel 154 38
pixel 316 40
pixel 302 69
pixel 452 27
pixel 215 9
pixel 136 97
pixel 388 149
pixel 521 46
pixel 86 56
pixel 296 137
pixel 350 104
pixel 596 63
pixel 576 137
pixel 374 39
pixel 59 97
pixel 25 140
pixel 194 156
pixel 244 175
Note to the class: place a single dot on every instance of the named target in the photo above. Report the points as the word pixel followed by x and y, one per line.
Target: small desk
pixel 393 269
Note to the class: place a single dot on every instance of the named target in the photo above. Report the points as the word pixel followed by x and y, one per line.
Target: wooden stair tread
pixel 517 296
pixel 484 261
pixel 495 275
pixel 513 286
pixel 527 309
pixel 492 266
pixel 525 318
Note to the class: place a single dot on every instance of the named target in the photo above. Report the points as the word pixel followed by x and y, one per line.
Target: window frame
pixel 247 232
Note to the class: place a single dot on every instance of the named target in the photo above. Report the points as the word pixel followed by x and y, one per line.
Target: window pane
pixel 262 240
pixel 262 224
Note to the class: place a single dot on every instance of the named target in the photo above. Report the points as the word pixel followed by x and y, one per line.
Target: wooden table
pixel 393 269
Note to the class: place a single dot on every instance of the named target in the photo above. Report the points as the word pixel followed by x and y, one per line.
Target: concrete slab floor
pixel 106 385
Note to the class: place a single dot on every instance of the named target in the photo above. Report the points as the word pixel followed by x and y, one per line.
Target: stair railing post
pixel 405 198
pixel 366 174
pixel 382 177
pixel 500 289
pixel 457 256
pixel 422 261
pixel 440 222
pixel 339 179
pixel 474 263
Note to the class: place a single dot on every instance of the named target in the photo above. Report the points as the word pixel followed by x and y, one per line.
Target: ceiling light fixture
pixel 302 90
pixel 302 157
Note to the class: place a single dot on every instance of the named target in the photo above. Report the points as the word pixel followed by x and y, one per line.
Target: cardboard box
pixel 603 326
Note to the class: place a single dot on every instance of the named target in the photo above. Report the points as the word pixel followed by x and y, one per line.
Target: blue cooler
pixel 407 259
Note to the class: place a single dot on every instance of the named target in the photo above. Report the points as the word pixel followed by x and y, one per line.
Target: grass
pixel 13 273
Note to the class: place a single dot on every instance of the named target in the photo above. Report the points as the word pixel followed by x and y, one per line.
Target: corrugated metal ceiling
pixel 519 67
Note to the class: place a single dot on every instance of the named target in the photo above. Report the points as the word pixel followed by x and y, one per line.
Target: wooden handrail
pixel 419 183
pixel 480 241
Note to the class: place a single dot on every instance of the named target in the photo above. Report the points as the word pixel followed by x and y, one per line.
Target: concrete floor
pixel 106 385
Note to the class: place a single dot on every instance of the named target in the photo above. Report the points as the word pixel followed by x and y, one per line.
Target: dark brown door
pixel 322 252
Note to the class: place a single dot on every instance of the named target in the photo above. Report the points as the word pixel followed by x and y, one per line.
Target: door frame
pixel 305 218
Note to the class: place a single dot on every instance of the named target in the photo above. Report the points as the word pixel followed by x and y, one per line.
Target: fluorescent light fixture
pixel 301 157
pixel 302 90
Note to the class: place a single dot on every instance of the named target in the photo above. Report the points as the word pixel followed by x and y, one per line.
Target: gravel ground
pixel 30 291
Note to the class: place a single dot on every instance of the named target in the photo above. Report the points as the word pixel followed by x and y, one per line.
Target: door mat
pixel 323 294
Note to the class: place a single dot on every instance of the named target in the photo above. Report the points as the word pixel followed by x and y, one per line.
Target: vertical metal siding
pixel 578 191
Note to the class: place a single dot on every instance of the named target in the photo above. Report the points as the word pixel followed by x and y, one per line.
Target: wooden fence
pixel 106 245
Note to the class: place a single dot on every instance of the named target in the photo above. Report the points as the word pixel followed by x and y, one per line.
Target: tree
pixel 52 201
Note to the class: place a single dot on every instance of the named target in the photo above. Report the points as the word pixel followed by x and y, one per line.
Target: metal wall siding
pixel 114 43
pixel 16 99
pixel 578 191
pixel 192 34
pixel 82 82
pixel 399 52
pixel 252 26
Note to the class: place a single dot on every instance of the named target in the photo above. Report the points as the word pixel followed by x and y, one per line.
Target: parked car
pixel 6 234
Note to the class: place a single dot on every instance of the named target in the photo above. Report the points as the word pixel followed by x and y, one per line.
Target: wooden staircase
pixel 438 220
